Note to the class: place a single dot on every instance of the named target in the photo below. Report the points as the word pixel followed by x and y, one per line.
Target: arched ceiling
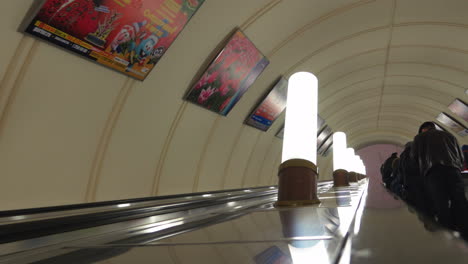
pixel 384 66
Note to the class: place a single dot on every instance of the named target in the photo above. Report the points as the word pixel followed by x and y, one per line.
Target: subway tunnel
pixel 77 133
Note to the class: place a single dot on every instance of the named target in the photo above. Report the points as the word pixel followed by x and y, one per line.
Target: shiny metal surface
pixel 351 225
pixel 121 230
pixel 388 231
pixel 128 205
pixel 318 229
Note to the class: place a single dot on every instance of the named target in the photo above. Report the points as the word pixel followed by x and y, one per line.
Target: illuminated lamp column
pixel 297 175
pixel 360 171
pixel 340 174
pixel 359 166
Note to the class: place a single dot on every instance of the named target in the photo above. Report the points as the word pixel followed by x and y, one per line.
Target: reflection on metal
pixel 344 229
pixel 359 212
pixel 312 251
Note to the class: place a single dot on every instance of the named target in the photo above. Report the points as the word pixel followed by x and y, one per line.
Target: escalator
pixel 350 225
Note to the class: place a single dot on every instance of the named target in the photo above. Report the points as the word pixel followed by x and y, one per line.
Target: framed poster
pixel 327 142
pixel 453 124
pixel 328 150
pixel 439 127
pixel 229 76
pixel 322 135
pixel 459 108
pixel 270 108
pixel 129 36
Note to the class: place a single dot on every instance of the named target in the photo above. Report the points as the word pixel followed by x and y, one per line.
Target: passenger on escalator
pixel 396 183
pixel 412 182
pixel 465 157
pixel 440 161
pixel 386 170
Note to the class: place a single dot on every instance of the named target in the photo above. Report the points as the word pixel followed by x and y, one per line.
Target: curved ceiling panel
pixel 378 137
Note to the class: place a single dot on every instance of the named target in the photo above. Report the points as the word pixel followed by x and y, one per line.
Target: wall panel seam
pixel 231 153
pixel 249 159
pixel 259 179
pixel 201 161
pixel 315 22
pixel 165 149
pixel 387 58
pixel 262 11
pixel 16 85
pixel 273 174
pixel 105 138
pixel 13 65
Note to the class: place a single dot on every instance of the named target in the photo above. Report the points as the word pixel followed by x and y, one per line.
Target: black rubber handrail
pixel 40 210
pixel 49 209
pixel 33 229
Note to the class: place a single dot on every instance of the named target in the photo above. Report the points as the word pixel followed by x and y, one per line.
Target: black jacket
pixel 436 147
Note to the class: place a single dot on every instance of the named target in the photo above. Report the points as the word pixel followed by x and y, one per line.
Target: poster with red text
pixel 270 108
pixel 129 36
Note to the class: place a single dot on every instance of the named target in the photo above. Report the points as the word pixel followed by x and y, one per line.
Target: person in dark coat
pixel 386 170
pixel 440 161
pixel 412 182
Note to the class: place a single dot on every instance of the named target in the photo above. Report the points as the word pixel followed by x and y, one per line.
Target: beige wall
pixel 72 131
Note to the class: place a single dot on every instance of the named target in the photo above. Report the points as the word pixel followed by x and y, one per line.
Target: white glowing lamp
pixel 356 164
pixel 300 130
pixel 339 151
pixel 349 160
pixel 363 168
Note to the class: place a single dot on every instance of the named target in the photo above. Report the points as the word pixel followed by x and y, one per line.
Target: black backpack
pixel 386 169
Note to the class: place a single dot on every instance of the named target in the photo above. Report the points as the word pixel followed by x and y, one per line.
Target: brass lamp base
pixel 297 185
pixel 340 178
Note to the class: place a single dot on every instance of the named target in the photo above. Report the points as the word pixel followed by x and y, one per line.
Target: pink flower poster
pixel 229 76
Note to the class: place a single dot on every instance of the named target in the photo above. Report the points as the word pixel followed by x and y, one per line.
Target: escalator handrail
pixel 32 229
pixel 41 210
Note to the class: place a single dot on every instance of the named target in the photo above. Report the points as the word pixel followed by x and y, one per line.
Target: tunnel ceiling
pixel 383 66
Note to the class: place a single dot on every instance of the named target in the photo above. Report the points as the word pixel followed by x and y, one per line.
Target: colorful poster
pixel 322 135
pixel 326 145
pixel 229 76
pixel 129 36
pixel 453 124
pixel 439 127
pixel 459 108
pixel 270 108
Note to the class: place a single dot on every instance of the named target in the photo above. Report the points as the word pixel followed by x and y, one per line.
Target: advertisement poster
pixel 270 108
pixel 459 108
pixel 129 36
pixel 322 135
pixel 229 76
pixel 322 150
pixel 453 124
